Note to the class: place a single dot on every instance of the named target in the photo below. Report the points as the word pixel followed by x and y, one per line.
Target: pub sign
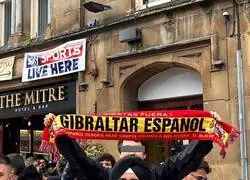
pixel 60 97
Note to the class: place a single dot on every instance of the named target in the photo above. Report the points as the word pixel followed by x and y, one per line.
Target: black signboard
pixel 57 98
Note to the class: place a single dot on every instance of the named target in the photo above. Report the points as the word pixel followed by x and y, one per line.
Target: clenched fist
pixel 48 120
pixel 215 115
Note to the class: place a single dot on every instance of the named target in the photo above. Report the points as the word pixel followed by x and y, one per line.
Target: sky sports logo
pixel 32 61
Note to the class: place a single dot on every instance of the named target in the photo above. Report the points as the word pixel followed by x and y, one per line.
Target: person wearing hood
pixel 130 168
pixel 30 173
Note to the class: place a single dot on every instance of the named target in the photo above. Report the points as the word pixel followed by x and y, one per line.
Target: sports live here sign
pixel 64 59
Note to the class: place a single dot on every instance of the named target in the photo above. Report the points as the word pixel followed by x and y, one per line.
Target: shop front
pixel 22 112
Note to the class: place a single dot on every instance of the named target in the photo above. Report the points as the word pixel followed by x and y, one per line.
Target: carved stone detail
pixel 123 69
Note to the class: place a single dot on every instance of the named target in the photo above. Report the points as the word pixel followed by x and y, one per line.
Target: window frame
pixel 140 5
pixel 3 7
pixel 7 22
pixel 43 14
pixel 35 19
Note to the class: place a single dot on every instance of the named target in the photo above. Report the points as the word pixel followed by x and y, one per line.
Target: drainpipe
pixel 18 16
pixel 13 16
pixel 241 101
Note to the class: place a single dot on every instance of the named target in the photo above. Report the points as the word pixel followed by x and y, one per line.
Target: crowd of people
pixel 189 164
pixel 15 167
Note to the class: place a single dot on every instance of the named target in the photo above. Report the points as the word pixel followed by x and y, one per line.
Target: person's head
pixel 200 173
pixel 42 163
pixel 130 168
pixel 5 167
pixel 106 160
pixel 128 148
pixel 17 163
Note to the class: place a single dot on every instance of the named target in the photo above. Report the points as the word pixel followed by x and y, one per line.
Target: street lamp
pixel 96 7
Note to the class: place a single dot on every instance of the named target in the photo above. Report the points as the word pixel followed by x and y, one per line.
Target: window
pixel 7 25
pixel 142 4
pixel 25 143
pixel 5 22
pixel 40 17
pixel 43 10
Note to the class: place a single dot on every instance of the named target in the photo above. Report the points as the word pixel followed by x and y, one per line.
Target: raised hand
pixel 215 115
pixel 48 120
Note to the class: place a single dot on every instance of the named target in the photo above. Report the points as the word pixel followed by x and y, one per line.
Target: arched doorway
pixel 175 88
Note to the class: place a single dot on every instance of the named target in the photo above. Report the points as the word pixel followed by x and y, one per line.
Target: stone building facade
pixel 185 58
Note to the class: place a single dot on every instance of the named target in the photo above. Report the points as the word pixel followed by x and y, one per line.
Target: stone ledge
pixel 202 41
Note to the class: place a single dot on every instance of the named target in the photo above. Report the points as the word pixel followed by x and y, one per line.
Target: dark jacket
pixel 54 178
pixel 175 168
pixel 30 173
pixel 136 164
pixel 68 174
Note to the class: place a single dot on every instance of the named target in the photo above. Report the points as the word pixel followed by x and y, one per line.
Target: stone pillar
pixel 34 19
pixel 2 20
pixel 13 17
pixel 18 16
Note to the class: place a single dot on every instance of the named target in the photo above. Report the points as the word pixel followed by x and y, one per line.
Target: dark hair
pixel 107 157
pixel 119 144
pixel 17 163
pixel 204 165
pixel 4 160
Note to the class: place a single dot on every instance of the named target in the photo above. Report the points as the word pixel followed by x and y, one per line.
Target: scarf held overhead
pixel 144 125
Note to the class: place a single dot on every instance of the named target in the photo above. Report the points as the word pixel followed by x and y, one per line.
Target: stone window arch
pixel 172 83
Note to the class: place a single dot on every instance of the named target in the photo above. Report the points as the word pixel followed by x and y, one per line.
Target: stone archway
pixel 135 77
pixel 130 85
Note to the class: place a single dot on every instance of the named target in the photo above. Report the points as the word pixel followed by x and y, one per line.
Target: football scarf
pixel 143 125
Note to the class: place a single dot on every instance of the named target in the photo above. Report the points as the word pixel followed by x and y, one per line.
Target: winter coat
pixel 132 164
pixel 175 168
pixel 30 173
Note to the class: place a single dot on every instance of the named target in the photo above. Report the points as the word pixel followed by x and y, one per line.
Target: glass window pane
pixel 24 141
pixel 43 17
pixel 7 27
pixel 37 140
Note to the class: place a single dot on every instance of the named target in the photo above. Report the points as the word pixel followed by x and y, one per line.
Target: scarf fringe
pixel 47 147
pixel 235 133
